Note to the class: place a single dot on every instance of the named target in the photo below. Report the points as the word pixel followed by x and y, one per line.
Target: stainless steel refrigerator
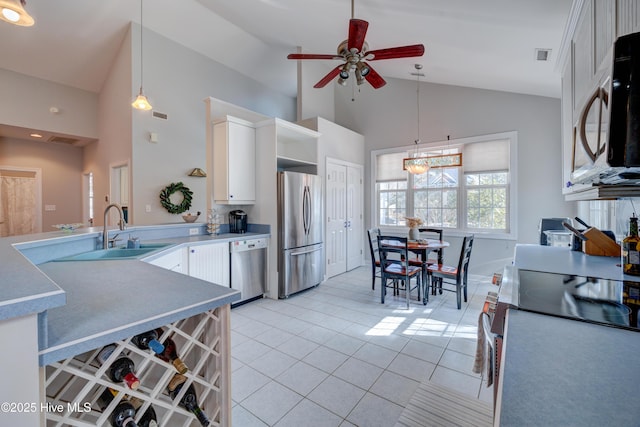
pixel 300 235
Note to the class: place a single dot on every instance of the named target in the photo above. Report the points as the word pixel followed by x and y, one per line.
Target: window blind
pixel 389 167
pixel 486 156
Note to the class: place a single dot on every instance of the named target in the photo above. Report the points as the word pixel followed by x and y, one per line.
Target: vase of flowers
pixel 414 223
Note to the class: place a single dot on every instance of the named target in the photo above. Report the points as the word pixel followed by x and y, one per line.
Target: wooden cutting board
pixel 599 243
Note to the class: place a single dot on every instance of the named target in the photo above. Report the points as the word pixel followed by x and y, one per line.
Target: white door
pixel 343 244
pixel 336 232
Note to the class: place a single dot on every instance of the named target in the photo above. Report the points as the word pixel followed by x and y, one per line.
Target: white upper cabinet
pixel 628 17
pixel 234 161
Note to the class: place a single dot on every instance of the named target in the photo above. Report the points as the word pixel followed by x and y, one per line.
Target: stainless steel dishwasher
pixel 249 268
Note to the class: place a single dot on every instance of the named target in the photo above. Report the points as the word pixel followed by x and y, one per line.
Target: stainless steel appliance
pixel 300 235
pixel 249 268
pixel 237 221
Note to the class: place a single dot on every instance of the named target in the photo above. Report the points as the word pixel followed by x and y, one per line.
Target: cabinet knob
pixel 231 196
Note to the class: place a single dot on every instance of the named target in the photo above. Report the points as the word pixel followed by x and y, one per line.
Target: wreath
pixel 165 198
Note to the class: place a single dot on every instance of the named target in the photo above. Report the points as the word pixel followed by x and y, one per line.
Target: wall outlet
pixel 147 208
pixel 49 207
pixel 193 231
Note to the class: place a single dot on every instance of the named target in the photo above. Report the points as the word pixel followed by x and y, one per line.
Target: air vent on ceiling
pixel 62 140
pixel 543 54
pixel 160 115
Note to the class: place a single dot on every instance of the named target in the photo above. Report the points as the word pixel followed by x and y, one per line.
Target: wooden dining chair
pixel 394 266
pixel 456 276
pixel 373 234
pixel 429 234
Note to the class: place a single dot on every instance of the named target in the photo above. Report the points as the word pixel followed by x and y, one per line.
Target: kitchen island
pixel 52 311
pixel 558 371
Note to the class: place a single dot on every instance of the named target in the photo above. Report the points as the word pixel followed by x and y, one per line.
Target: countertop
pixel 560 372
pixel 86 304
pixel 565 261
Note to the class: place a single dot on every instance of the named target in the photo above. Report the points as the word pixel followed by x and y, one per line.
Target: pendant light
pixel 13 12
pixel 417 165
pixel 141 102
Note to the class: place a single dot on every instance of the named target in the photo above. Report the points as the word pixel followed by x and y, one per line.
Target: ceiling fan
pixel 354 52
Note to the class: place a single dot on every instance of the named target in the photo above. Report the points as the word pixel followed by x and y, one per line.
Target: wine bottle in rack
pixel 170 354
pixel 148 340
pixel 123 413
pixel 122 369
pixel 149 418
pixel 189 400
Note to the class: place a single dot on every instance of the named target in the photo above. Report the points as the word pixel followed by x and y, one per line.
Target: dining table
pixel 422 247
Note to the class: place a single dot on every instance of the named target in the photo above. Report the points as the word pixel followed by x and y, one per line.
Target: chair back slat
pixel 400 249
pixel 435 233
pixel 465 254
pixel 373 234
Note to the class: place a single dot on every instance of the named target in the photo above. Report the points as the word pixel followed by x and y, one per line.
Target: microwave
pixel 606 148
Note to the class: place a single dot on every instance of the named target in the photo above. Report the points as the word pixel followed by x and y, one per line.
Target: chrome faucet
pixel 121 223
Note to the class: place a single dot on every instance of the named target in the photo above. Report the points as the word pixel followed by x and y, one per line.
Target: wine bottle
pixel 189 400
pixel 148 340
pixel 122 415
pixel 170 354
pixel 122 369
pixel 149 418
pixel 630 249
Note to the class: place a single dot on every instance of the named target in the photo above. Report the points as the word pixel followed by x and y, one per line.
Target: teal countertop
pixel 83 305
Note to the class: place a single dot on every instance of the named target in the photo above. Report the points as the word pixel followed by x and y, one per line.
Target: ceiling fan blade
pixel 326 79
pixel 311 56
pixel 357 32
pixel 374 78
pixel 396 52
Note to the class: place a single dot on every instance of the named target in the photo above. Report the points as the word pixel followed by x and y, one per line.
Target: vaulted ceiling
pixel 487 44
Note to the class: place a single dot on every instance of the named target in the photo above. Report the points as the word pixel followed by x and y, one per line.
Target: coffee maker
pixel 237 221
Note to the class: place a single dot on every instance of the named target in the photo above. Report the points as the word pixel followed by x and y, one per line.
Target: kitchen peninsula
pixel 56 315
pixel 560 371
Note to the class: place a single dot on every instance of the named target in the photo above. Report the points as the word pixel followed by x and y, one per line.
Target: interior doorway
pixel 119 191
pixel 20 201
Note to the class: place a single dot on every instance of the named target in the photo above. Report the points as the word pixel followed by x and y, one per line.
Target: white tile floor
pixel 335 356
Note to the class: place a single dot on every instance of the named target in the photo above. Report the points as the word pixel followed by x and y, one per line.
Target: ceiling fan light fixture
pixel 13 12
pixel 342 82
pixel 363 69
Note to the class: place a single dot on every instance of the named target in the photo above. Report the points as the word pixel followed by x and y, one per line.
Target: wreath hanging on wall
pixel 174 187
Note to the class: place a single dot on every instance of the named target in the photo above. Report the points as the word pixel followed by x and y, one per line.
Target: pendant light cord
pixel 141 47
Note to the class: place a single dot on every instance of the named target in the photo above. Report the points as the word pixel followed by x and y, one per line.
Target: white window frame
pixel 512 185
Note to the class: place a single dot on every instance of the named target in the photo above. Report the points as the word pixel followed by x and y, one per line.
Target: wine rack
pixel 74 385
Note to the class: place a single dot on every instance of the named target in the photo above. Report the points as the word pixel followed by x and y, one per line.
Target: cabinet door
pixel 604 29
pixel 582 55
pixel 628 12
pixel 234 162
pixel 172 261
pixel 210 263
pixel 242 162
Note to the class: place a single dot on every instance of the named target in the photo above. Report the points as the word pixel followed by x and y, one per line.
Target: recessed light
pixel 35 135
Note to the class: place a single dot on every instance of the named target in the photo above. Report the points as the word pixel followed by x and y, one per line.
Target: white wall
pixel 61 167
pixel 176 81
pixel 26 102
pixel 387 118
pixel 314 102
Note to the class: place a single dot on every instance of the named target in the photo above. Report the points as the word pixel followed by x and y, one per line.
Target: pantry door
pixel 343 243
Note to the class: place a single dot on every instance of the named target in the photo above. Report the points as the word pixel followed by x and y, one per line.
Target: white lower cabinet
pixel 174 261
pixel 210 263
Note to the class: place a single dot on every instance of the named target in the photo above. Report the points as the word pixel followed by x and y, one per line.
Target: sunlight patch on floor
pixel 430 327
pixel 386 326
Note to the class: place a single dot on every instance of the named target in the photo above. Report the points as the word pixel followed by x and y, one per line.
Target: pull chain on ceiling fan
pixel 354 52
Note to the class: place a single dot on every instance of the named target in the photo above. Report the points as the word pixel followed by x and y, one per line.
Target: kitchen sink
pixel 116 253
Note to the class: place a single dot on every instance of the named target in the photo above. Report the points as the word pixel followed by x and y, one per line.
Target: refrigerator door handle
pixel 306 252
pixel 306 210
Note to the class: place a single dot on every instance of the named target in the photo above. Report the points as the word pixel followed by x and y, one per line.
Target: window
pixel 475 197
